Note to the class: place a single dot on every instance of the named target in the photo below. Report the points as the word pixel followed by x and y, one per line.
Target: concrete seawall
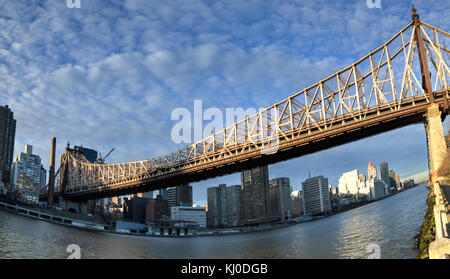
pixel 52 218
pixel 440 248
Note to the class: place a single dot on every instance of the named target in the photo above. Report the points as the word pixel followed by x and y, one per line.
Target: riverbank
pixel 427 233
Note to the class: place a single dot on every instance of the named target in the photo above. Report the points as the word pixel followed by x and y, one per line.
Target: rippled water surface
pixel 390 223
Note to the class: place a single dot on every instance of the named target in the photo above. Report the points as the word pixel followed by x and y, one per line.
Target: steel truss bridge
pixel 390 87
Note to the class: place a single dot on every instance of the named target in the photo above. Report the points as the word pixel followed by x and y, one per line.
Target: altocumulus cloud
pixel 110 74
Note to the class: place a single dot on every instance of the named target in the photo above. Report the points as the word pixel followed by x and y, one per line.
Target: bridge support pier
pixel 436 141
pixel 79 207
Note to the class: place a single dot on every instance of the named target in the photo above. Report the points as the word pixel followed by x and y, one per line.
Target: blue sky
pixel 110 74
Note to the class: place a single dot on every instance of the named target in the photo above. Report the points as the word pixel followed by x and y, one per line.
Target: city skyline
pixel 122 85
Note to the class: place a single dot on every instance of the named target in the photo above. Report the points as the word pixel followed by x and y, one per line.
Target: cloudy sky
pixel 110 73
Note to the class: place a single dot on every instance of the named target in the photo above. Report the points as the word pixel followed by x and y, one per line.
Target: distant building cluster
pixel 354 187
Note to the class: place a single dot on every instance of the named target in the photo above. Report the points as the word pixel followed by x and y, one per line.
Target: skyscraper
pixel 7 136
pixel 234 205
pixel 280 197
pixel 180 195
pixel 349 183
pixel 26 175
pixel 217 206
pixel 371 171
pixel 315 196
pixel 297 203
pixel 255 188
pixel 384 175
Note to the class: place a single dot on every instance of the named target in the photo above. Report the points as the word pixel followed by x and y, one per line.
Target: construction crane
pixel 101 160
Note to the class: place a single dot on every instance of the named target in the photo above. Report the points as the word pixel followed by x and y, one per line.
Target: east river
pixel 389 224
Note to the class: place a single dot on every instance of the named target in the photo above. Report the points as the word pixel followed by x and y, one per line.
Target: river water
pixel 390 223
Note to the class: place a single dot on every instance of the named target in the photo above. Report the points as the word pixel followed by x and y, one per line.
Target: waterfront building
pixel 3 189
pixel 316 199
pixel 156 210
pixel 26 175
pixel 180 195
pixel 196 215
pixel 280 197
pixel 397 180
pixel 43 178
pixel 164 194
pixel 297 203
pixel 363 190
pixel 7 137
pixel 349 183
pixel 371 171
pixel 234 205
pixel 377 188
pixel 224 206
pixel 217 206
pixel 255 188
pixel 134 209
pixel 384 175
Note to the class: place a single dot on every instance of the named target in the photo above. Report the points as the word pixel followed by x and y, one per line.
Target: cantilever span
pixel 383 90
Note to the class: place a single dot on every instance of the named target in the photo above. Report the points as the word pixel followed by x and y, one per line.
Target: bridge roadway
pixel 373 121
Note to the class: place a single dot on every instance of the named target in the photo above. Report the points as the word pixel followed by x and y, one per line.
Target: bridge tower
pixel 435 132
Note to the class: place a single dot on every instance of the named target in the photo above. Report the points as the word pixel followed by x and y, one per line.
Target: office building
pixel 349 183
pixel 164 194
pixel 180 195
pixel 297 203
pixel 377 188
pixel 224 206
pixel 316 199
pixel 196 215
pixel 7 137
pixel 217 206
pixel 134 209
pixel 43 178
pixel 384 175
pixel 255 188
pixel 234 205
pixel 26 175
pixel 157 210
pixel 371 171
pixel 280 198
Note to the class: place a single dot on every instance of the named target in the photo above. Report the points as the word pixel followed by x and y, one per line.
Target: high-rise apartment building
pixel 217 206
pixel 255 188
pixel 224 206
pixel 7 136
pixel 316 199
pixel 180 195
pixel 371 171
pixel 384 175
pixel 157 210
pixel 234 205
pixel 349 183
pixel 297 203
pixel 280 197
pixel 26 175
